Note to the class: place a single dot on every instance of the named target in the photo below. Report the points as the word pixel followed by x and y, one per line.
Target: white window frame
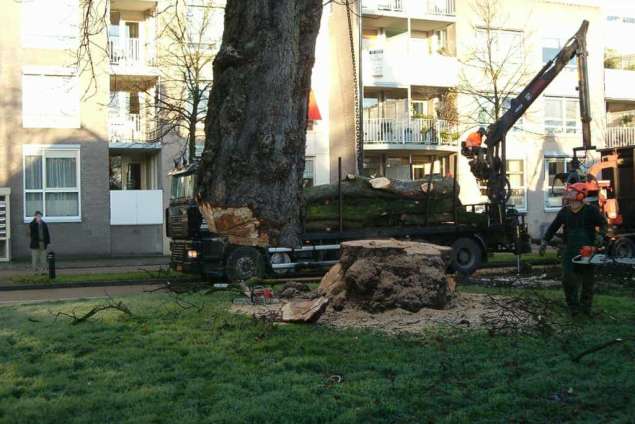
pixel 511 54
pixel 34 36
pixel 506 104
pixel 546 185
pixel 41 150
pixel 305 176
pixel 563 129
pixel 207 41
pixel 523 186
pixel 32 120
pixel 571 65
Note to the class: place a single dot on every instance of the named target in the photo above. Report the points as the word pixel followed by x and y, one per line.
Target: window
pixel 506 46
pixel 551 47
pixel 48 24
pixel 554 188
pixel 487 114
pixel 183 187
pixel 562 115
pixel 50 98
pixel 52 182
pixel 116 176
pixel 516 177
pixel 398 168
pixel 309 172
pixel 205 22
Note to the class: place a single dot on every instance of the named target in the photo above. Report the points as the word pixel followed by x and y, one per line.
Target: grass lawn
pixel 203 364
pixel 93 278
pixel 530 258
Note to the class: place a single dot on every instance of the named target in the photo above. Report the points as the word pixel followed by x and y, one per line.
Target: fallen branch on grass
pixel 523 314
pixel 594 349
pixel 78 319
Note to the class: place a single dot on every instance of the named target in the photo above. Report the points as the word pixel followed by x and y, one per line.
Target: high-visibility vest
pixel 474 140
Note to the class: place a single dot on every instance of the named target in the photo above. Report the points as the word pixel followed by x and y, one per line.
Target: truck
pixel 194 249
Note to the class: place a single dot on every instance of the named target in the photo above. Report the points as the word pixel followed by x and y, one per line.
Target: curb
pixel 118 283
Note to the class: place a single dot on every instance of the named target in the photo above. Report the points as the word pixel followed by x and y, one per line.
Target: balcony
pixel 128 56
pixel 136 207
pixel 401 63
pixel 130 128
pixel 412 8
pixel 383 7
pixel 410 133
pixel 620 137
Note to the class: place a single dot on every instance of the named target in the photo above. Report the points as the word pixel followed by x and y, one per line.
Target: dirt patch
pixel 466 310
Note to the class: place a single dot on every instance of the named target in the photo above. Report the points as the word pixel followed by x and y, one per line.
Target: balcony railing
pixel 441 7
pixel 384 5
pixel 131 128
pixel 620 137
pixel 129 52
pixel 412 7
pixel 410 131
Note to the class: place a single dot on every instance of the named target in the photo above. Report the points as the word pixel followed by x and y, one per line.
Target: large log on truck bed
pixel 383 202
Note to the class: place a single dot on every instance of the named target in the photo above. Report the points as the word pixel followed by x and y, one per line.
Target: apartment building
pixel 86 143
pixel 424 91
pixel 80 145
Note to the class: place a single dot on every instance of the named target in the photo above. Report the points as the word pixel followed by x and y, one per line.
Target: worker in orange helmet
pixel 472 144
pixel 580 222
pixel 475 139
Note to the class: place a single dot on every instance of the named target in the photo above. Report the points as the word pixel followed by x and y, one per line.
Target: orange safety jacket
pixel 474 140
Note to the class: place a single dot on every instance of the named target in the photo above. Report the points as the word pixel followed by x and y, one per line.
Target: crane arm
pixel 576 46
pixel 491 168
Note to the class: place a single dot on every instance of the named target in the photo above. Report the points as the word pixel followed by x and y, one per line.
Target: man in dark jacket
pixel 40 239
pixel 580 221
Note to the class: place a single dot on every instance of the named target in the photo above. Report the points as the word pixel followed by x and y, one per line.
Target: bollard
pixel 51 261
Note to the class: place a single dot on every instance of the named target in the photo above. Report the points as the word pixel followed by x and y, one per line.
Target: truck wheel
pixel 467 256
pixel 623 248
pixel 244 263
pixel 280 258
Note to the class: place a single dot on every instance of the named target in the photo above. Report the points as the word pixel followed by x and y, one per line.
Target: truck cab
pixel 194 250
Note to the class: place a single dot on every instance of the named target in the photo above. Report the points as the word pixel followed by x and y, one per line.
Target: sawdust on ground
pixel 466 311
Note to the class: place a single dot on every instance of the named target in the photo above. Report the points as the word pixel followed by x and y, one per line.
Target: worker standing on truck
pixel 580 221
pixel 474 141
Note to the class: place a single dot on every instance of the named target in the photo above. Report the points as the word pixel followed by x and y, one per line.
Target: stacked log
pixel 381 202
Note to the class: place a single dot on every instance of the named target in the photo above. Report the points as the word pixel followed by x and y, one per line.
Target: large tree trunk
pixel 251 172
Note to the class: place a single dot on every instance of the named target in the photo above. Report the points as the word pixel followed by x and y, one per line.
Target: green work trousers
pixel 578 288
pixel 577 280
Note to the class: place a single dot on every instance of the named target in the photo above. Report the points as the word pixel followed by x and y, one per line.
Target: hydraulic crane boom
pixel 492 168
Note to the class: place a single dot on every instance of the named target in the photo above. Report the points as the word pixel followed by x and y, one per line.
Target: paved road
pixel 45 295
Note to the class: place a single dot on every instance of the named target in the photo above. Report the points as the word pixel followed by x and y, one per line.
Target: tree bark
pixel 250 179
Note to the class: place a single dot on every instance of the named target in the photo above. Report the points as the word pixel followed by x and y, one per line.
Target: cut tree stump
pixel 378 275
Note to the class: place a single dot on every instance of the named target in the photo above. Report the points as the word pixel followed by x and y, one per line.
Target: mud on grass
pixel 201 363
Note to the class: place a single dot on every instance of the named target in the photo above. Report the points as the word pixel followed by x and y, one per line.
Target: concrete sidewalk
pixel 78 266
pixel 48 295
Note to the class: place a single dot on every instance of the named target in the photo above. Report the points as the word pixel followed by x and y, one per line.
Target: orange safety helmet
pixel 580 190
